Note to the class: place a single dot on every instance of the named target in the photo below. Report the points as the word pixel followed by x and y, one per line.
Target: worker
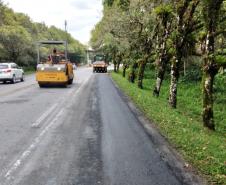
pixel 55 51
pixel 55 57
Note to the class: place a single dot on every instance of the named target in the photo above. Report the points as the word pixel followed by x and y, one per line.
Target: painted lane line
pixel 73 93
pixel 29 150
pixel 37 123
pixel 22 158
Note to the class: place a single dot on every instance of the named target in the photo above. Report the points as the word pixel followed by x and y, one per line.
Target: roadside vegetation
pixel 173 58
pixel 18 35
pixel 203 149
pixel 29 70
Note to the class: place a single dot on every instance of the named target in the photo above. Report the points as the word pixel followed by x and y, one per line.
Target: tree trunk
pixel 174 81
pixel 160 75
pixel 159 80
pixel 124 71
pixel 115 66
pixel 209 72
pixel 132 74
pixel 208 119
pixel 210 68
pixel 163 56
pixel 142 65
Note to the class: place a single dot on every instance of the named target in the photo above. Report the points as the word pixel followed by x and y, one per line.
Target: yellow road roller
pixel 56 69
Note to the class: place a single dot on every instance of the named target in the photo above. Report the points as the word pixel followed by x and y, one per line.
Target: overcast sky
pixel 81 15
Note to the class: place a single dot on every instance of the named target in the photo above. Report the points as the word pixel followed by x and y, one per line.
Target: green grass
pixel 204 149
pixel 29 70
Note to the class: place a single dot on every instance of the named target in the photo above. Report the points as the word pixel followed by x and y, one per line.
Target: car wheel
pixel 22 78
pixel 14 79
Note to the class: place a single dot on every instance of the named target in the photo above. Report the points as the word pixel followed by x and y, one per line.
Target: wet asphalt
pixel 82 135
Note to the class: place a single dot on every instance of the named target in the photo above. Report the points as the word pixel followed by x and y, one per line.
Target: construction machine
pixel 99 64
pixel 56 69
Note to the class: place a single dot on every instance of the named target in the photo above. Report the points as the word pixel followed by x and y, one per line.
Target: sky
pixel 81 15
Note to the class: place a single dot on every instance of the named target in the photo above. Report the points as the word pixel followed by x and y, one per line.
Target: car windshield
pixel 3 66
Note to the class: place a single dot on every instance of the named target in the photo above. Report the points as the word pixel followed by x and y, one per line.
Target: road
pixel 81 135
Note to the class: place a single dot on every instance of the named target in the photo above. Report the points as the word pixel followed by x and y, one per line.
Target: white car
pixel 11 72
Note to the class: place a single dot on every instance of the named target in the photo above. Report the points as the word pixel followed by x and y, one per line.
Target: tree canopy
pixel 18 35
pixel 174 36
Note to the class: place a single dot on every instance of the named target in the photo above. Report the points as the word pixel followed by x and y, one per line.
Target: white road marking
pixel 21 159
pixel 34 144
pixel 37 123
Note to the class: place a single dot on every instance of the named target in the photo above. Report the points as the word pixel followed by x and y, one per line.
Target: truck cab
pixel 99 64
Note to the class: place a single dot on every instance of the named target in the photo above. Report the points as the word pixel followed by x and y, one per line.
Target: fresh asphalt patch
pixel 167 152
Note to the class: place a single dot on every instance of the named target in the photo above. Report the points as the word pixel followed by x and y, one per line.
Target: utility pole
pixel 65 25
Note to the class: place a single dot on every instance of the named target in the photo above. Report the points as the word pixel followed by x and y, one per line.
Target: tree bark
pixel 115 66
pixel 159 80
pixel 124 70
pixel 210 67
pixel 162 64
pixel 175 66
pixel 132 74
pixel 208 119
pixel 209 72
pixel 163 57
pixel 142 65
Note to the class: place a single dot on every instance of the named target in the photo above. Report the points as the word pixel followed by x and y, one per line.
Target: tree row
pixel 165 33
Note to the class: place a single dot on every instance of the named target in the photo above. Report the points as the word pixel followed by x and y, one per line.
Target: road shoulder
pixel 182 170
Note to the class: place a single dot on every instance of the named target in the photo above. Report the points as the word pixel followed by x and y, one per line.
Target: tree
pixel 163 17
pixel 184 25
pixel 15 40
pixel 211 11
pixel 168 32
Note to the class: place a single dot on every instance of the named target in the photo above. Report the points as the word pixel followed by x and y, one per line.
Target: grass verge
pixel 29 70
pixel 203 149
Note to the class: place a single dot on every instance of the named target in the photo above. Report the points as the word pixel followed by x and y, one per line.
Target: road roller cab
pixel 56 69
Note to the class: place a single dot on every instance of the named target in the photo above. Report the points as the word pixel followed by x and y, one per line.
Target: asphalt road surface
pixel 81 135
